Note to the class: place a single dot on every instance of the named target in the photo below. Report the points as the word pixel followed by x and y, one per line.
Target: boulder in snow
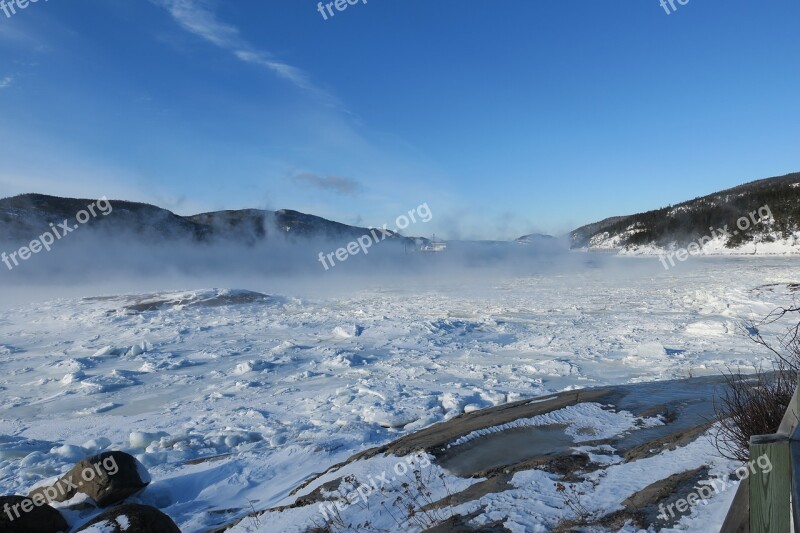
pixel 131 518
pixel 107 478
pixel 19 514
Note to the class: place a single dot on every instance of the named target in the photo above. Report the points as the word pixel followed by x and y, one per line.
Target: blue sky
pixel 506 117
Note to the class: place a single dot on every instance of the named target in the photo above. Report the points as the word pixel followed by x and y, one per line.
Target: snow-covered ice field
pixel 286 386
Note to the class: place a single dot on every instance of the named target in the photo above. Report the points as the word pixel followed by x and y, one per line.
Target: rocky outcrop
pixel 19 514
pixel 107 478
pixel 131 518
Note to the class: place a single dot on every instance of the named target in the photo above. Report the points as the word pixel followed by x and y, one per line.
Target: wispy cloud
pixel 336 184
pixel 6 82
pixel 285 71
pixel 197 17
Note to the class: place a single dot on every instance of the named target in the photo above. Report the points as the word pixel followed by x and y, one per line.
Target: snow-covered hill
pixel 26 216
pixel 758 218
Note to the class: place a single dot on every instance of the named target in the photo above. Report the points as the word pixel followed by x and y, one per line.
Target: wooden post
pixel 796 399
pixel 794 451
pixel 738 518
pixel 774 496
pixel 770 509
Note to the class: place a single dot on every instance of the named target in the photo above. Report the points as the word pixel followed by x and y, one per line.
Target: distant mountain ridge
pixel 25 216
pixel 702 218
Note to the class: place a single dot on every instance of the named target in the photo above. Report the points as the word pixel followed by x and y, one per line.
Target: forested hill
pixel 705 216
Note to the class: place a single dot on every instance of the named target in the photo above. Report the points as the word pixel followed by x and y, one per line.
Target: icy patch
pixel 97 409
pixel 251 366
pixel 555 368
pixel 18 447
pixel 139 349
pixel 140 439
pixel 585 422
pixel 70 365
pixel 601 455
pixel 96 445
pixel 74 377
pixel 346 332
pixel 454 327
pixel 651 349
pixel 708 328
pixel 192 299
pixel 5 349
pixel 457 403
pixel 345 360
pixel 387 417
pixel 166 365
pixel 109 350
pixel 118 379
pixel 69 452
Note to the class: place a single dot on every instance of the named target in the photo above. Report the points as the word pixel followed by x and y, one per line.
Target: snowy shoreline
pixel 281 388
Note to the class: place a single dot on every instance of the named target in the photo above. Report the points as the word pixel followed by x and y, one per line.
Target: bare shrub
pixel 788 344
pixel 755 404
pixel 573 499
pixel 411 503
pixel 751 405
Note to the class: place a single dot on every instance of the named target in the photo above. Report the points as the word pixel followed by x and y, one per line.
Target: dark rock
pixel 133 518
pixel 107 478
pixel 19 514
pixel 459 524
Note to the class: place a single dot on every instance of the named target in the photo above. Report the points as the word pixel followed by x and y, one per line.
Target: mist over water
pixel 124 261
pixel 97 262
